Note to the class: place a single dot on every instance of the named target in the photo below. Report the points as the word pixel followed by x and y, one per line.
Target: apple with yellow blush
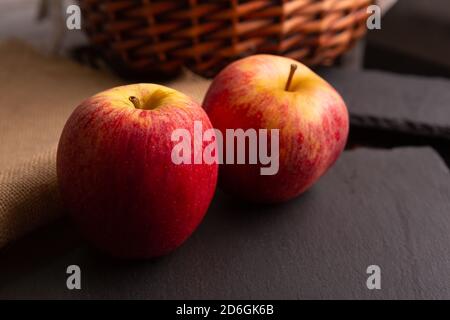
pixel 273 92
pixel 116 174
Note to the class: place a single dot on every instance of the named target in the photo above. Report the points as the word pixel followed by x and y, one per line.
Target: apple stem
pixel 135 101
pixel 291 75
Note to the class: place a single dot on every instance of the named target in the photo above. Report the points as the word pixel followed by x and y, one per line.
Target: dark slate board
pixel 414 38
pixel 410 104
pixel 390 208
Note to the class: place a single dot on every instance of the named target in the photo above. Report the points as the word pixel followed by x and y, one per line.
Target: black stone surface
pixel 389 208
pixel 388 95
pixel 414 39
pixel 419 106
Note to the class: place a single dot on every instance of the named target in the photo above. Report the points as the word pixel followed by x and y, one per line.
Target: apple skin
pixel 117 178
pixel 312 119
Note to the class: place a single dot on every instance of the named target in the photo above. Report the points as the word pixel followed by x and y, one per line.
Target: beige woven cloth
pixel 37 94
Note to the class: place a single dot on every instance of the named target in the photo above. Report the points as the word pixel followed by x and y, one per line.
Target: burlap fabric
pixel 37 94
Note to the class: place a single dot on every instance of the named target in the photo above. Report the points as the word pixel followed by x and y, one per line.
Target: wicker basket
pixel 145 36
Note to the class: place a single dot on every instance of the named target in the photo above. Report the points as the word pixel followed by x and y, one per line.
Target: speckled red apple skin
pixel 118 181
pixel 313 124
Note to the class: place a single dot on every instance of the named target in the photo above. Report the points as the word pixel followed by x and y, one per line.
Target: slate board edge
pixel 401 126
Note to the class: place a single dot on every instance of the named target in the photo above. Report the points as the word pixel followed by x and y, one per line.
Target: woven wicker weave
pixel 161 35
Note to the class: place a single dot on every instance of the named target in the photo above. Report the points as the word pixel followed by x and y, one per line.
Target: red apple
pixel 266 92
pixel 117 177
